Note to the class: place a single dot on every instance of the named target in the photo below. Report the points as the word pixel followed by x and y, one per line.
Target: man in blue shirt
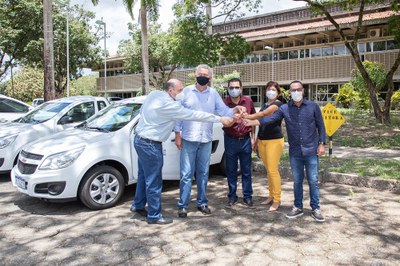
pixel 194 139
pixel 158 115
pixel 306 136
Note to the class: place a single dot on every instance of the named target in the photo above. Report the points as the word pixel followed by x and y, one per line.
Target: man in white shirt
pixel 195 139
pixel 158 115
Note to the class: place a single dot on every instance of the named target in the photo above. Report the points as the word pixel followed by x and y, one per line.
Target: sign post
pixel 333 119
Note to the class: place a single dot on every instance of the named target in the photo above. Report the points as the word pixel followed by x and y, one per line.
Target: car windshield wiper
pixel 98 129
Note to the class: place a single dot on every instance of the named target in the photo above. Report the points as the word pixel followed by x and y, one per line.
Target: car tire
pixel 101 187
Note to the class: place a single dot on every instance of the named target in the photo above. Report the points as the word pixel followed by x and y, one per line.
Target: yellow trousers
pixel 271 152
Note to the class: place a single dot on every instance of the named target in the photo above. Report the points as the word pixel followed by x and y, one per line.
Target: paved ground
pixel 361 228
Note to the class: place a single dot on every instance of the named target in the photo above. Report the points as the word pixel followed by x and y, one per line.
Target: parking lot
pixel 362 227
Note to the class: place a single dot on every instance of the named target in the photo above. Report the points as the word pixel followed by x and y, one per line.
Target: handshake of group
pixel 240 116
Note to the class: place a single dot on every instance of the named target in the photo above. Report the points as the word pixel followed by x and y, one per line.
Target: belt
pixel 150 140
pixel 240 138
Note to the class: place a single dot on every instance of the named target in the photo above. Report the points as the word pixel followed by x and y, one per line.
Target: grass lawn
pixel 361 130
pixel 387 169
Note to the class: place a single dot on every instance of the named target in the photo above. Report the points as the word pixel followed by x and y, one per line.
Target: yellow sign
pixel 332 119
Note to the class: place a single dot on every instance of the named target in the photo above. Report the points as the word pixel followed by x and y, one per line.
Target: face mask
pixel 234 93
pixel 180 96
pixel 202 81
pixel 271 94
pixel 297 96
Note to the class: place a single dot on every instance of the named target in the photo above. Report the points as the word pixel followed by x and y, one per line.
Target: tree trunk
pixel 145 49
pixel 48 54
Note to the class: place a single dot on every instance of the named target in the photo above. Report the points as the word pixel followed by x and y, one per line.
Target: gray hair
pixel 204 66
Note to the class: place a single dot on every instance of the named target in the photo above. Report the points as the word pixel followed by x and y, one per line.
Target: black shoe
pixel 182 212
pixel 162 220
pixel 231 202
pixel 141 212
pixel 296 212
pixel 317 215
pixel 204 209
pixel 248 202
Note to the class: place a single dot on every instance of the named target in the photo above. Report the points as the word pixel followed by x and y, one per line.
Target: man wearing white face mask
pixel 306 135
pixel 158 115
pixel 239 141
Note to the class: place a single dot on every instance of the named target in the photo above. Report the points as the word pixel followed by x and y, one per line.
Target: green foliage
pixel 195 45
pixel 85 85
pixel 377 73
pixel 28 84
pixel 160 52
pixel 347 96
pixel 220 82
pixel 396 100
pixel 20 23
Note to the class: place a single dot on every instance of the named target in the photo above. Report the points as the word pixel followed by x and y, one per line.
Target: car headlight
pixel 61 160
pixel 5 141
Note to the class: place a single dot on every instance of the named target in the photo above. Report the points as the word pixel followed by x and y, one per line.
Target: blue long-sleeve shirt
pixel 304 125
pixel 207 101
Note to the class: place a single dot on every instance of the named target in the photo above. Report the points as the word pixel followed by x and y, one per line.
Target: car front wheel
pixel 101 188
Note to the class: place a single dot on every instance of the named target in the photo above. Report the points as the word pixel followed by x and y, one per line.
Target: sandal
pixel 269 200
pixel 274 207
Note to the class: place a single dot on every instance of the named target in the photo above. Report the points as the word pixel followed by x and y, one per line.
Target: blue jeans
pixel 238 149
pixel 310 163
pixel 149 183
pixel 195 158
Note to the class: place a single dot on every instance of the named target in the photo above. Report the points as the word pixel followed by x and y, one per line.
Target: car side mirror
pixel 66 120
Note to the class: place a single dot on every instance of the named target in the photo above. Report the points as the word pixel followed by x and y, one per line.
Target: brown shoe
pixel 274 207
pixel 268 201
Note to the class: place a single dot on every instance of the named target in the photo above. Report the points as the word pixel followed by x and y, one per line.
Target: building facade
pixel 288 45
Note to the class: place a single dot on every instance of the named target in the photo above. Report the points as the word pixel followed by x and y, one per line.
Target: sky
pixel 116 17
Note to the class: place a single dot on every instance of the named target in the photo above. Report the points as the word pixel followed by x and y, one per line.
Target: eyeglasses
pixel 293 90
pixel 232 88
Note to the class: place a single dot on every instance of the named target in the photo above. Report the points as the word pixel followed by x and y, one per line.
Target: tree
pixel 195 39
pixel 28 84
pixel 83 48
pixel 20 23
pixel 382 114
pixel 146 7
pixel 161 61
pixel 48 51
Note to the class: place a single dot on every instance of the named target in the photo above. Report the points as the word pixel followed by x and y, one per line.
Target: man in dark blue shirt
pixel 306 136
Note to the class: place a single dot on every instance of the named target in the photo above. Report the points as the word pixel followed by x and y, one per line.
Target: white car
pixel 11 109
pixel 37 101
pixel 46 119
pixel 96 160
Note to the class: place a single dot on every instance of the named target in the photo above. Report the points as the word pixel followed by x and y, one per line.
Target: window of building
pixel 283 55
pixel 362 48
pixel 325 92
pixel 327 51
pixel 339 49
pixel 305 53
pixel 315 52
pixel 253 93
pixel 392 44
pixel 379 46
pixel 294 54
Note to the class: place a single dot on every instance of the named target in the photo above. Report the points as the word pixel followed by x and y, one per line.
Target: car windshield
pixel 114 117
pixel 43 112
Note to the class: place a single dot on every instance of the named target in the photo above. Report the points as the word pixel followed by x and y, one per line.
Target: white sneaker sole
pixel 293 217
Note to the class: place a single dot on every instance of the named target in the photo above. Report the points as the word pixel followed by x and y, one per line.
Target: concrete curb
pixel 340 178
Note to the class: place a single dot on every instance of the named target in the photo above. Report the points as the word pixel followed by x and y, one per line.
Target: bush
pixel 396 100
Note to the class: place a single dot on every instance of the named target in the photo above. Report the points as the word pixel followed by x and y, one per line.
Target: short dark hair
pixel 168 85
pixel 274 84
pixel 235 80
pixel 296 81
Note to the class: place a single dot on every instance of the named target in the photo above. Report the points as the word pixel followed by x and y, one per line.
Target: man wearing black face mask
pixel 194 139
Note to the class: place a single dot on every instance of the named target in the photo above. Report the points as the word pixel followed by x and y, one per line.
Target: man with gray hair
pixel 158 115
pixel 194 138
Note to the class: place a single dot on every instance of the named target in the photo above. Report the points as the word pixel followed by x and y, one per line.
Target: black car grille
pixel 31 155
pixel 26 168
